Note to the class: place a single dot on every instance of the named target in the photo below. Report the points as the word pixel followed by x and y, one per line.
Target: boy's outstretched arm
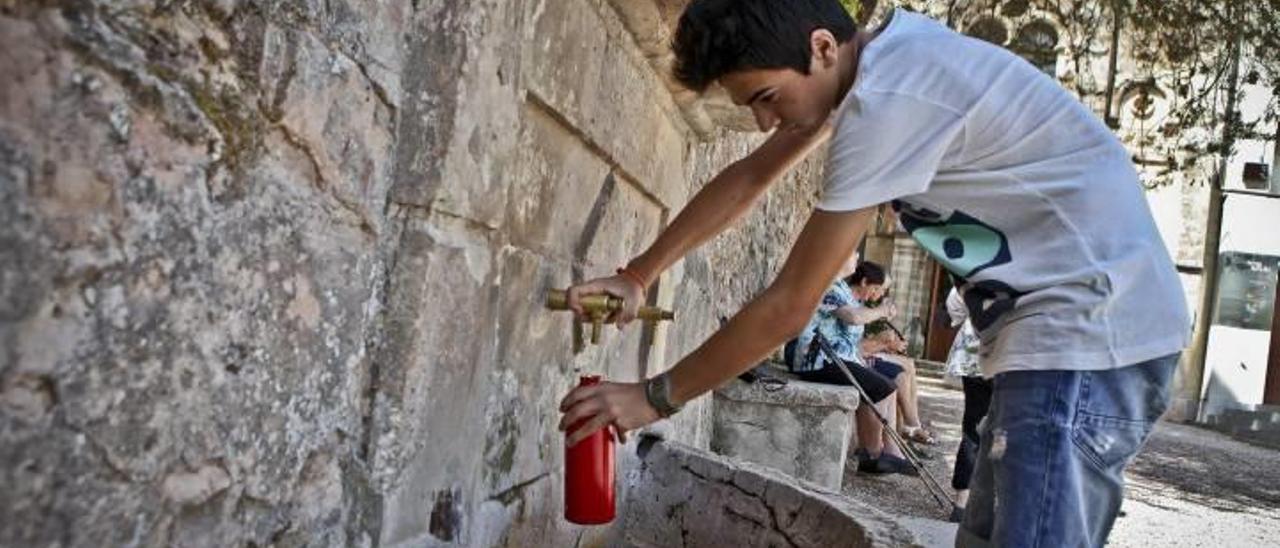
pixel 724 199
pixel 776 314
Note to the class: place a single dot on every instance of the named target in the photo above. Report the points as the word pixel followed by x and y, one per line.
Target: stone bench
pixel 802 428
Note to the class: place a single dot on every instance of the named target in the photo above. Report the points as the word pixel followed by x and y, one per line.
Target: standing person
pixel 1004 178
pixel 962 362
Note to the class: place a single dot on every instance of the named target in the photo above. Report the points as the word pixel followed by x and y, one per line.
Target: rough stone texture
pixel 272 270
pixel 683 497
pixel 197 234
pixel 801 429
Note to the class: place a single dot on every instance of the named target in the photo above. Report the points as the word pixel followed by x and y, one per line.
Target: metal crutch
pixel 931 483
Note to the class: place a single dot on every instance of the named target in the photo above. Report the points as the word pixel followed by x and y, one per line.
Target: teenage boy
pixel 1004 178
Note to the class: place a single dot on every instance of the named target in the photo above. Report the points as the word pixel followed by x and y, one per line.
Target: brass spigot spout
pixel 598 308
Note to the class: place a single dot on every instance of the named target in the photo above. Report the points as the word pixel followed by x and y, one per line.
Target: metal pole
pixel 1193 367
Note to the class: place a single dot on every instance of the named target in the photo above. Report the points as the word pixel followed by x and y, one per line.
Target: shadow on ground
pixel 1208 468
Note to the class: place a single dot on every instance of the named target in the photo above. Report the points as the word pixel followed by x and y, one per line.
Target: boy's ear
pixel 824 48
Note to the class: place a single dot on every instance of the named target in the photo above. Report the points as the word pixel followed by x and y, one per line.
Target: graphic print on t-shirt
pixel 964 246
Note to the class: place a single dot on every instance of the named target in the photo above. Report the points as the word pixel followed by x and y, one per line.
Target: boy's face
pixel 785 98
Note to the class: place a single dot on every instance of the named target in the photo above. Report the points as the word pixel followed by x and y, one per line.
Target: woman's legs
pixel 907 391
pixel 888 408
pixel 868 431
pixel 904 375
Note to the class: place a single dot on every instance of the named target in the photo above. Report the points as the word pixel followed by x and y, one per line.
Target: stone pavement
pixel 1189 487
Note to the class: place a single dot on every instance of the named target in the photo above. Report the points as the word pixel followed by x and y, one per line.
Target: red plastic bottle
pixel 589 475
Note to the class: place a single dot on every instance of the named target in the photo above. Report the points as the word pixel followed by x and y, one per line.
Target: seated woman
pixel 840 318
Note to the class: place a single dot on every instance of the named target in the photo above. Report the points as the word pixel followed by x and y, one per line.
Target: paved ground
pixel 1189 487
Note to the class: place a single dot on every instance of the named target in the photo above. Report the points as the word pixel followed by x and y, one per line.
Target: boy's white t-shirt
pixel 1015 188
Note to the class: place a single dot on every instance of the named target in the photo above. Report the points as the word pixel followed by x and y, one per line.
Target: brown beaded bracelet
pixel 625 272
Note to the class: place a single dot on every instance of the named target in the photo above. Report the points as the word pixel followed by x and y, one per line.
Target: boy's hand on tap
pixel 622 286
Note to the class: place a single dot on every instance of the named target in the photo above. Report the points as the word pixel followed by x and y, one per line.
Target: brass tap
pixel 598 309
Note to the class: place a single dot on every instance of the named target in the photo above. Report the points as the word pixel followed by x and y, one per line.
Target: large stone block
pixel 686 497
pixel 465 110
pixel 801 428
pixel 521 480
pixel 557 190
pixel 432 369
pixel 582 65
pixel 435 51
pixel 193 363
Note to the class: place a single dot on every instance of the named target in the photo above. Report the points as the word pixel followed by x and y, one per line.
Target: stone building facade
pixel 272 271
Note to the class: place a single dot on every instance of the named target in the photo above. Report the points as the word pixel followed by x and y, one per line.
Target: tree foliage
pixel 1199 42
pixel 1188 48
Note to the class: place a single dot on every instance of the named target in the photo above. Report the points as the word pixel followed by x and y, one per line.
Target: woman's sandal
pixel 918 434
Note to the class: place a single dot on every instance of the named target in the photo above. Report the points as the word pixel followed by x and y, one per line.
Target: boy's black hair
pixel 868 272
pixel 716 37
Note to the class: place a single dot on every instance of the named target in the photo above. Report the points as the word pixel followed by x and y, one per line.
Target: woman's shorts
pixel 884 367
pixel 877 385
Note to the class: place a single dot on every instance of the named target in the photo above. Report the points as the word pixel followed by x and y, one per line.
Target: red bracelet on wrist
pixel 628 274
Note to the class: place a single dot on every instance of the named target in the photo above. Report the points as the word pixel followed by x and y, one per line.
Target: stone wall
pixel 272 270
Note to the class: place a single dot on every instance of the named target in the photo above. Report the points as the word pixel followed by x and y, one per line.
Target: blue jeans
pixel 1053 450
